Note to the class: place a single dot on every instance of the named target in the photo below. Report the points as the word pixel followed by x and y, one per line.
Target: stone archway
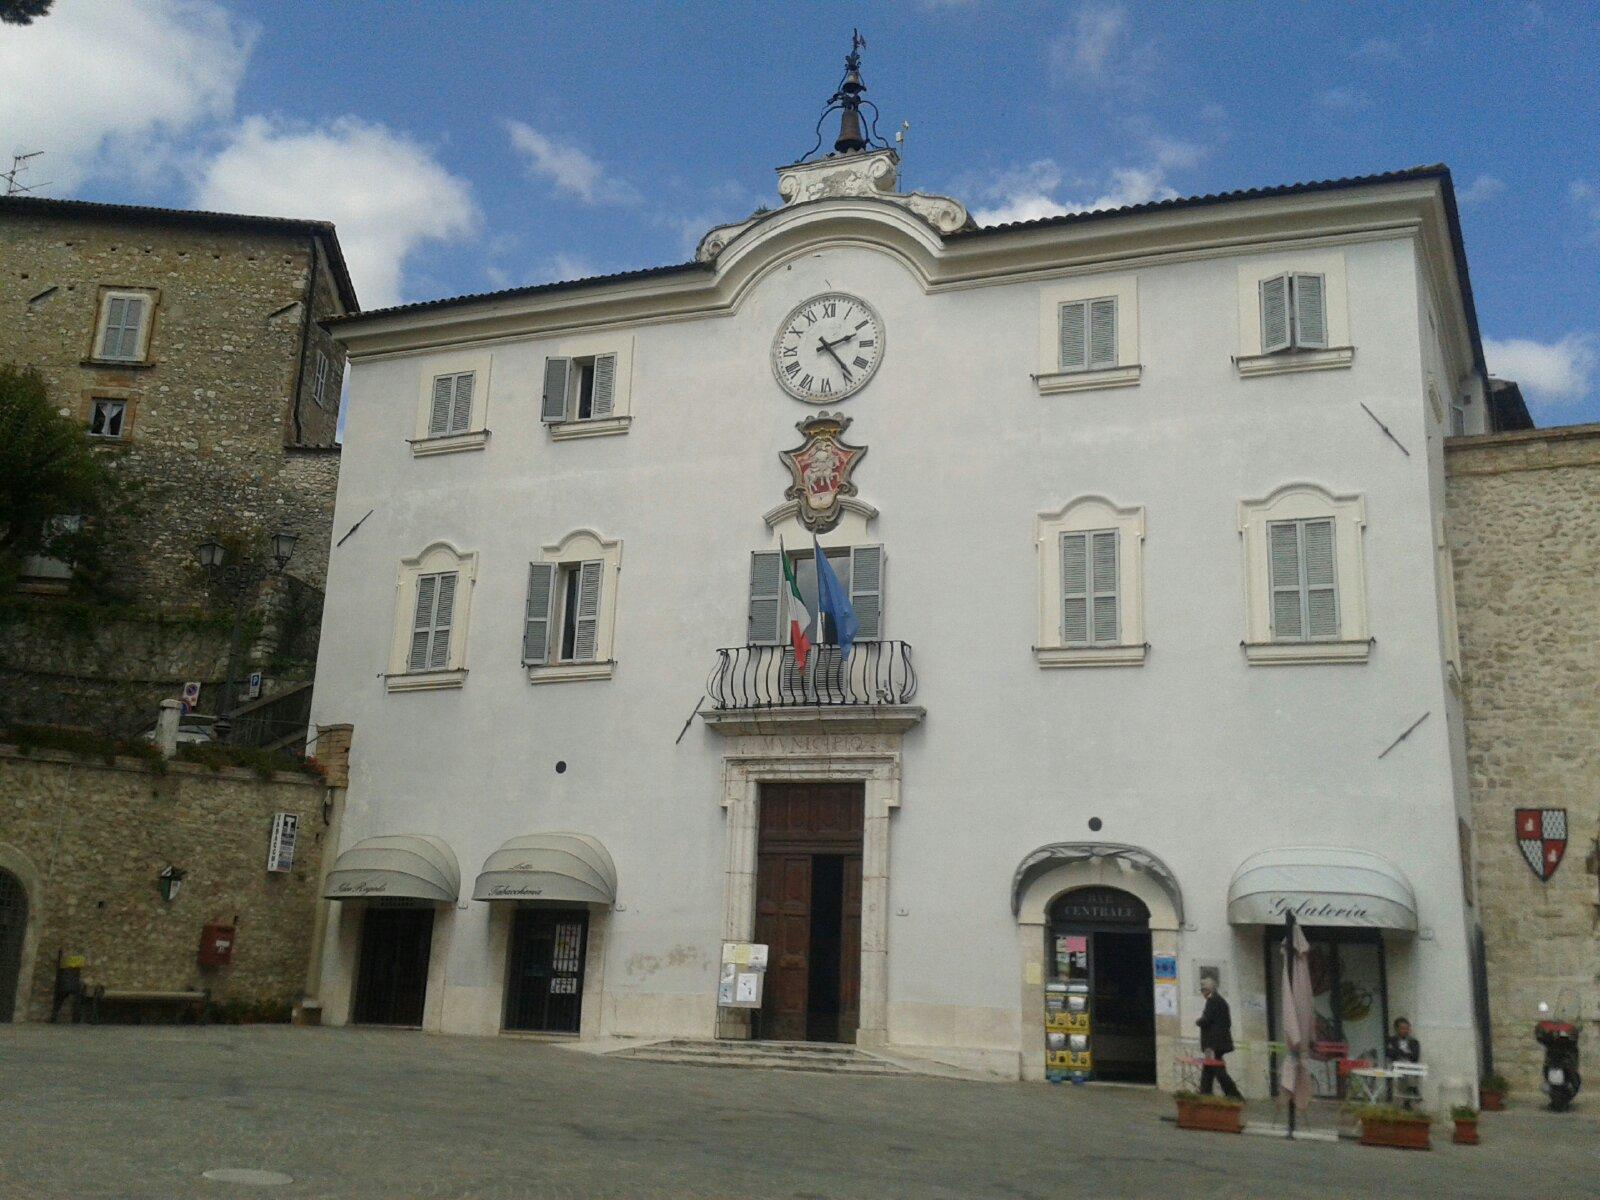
pixel 1063 867
pixel 21 898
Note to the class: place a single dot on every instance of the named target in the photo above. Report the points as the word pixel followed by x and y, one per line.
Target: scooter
pixel 1560 1077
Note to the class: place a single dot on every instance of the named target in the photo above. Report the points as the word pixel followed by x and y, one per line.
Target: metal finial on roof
pixel 848 101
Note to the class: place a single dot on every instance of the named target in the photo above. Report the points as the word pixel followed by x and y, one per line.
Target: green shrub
pixel 1213 1101
pixel 218 755
pixel 84 742
pixel 1391 1112
pixel 1463 1112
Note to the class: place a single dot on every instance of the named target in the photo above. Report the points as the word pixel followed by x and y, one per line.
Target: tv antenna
pixel 19 164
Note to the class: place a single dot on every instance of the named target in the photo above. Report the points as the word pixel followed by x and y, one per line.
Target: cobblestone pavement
pixel 143 1112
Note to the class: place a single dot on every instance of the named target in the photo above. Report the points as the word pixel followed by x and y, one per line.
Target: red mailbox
pixel 216 945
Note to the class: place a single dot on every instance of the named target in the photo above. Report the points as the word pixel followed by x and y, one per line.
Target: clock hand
pixel 829 347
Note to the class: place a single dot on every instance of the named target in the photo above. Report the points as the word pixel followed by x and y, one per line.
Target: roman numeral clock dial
pixel 827 348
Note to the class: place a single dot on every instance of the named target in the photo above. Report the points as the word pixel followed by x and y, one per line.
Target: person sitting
pixel 1402 1047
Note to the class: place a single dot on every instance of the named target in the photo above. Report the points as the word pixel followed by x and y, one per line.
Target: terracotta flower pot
pixel 1491 1100
pixel 1403 1135
pixel 1217 1118
pixel 1466 1133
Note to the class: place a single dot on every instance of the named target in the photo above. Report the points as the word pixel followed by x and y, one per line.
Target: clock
pixel 827 348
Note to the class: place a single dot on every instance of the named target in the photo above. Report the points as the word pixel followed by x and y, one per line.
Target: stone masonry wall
pixel 95 836
pixel 1525 532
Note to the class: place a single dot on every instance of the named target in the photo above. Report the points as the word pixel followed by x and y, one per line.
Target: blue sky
pixel 464 147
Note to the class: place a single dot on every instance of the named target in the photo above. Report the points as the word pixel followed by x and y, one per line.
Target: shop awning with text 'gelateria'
pixel 572 867
pixel 1321 885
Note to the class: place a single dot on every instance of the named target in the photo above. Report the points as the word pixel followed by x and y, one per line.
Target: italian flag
pixel 799 616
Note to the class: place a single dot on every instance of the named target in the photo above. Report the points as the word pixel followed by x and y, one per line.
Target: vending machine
pixel 1066 1010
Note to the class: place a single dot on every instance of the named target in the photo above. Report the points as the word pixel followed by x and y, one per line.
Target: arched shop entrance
pixel 1100 980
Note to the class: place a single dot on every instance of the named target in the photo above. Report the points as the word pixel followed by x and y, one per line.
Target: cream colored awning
pixel 549 866
pixel 1321 886
pixel 399 866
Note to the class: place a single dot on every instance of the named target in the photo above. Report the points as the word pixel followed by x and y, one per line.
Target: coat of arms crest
pixel 1542 838
pixel 821 467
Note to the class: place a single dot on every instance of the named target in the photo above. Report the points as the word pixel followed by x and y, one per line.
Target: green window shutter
pixel 1102 334
pixel 461 406
pixel 553 409
pixel 1074 335
pixel 439 410
pixel 866 590
pixel 1310 312
pixel 591 575
pixel 1106 624
pixel 1284 581
pixel 605 386
pixel 766 583
pixel 1075 589
pixel 1275 333
pixel 422 623
pixel 1322 585
pixel 536 614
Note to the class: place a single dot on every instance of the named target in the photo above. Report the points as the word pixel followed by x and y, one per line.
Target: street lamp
pixel 241 578
pixel 211 554
pixel 282 547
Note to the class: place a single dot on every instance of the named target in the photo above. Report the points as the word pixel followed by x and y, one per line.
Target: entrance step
pixel 773 1056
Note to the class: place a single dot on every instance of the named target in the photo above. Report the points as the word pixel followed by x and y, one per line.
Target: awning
pixel 399 866
pixel 1321 886
pixel 549 866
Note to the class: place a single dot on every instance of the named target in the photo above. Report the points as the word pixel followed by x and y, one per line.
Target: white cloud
pixel 1099 48
pixel 1343 99
pixel 1551 373
pixel 107 85
pixel 1032 191
pixel 1379 50
pixel 386 193
pixel 1586 199
pixel 568 168
pixel 1484 187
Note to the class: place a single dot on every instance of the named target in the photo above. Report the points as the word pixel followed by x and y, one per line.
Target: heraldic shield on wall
pixel 821 468
pixel 1542 837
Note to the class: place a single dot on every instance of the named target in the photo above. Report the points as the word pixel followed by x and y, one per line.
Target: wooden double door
pixel 808 910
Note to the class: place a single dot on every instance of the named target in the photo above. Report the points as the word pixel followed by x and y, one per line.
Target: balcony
pixel 759 689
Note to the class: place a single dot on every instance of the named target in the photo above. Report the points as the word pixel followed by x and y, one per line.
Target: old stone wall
pixel 88 840
pixel 1524 513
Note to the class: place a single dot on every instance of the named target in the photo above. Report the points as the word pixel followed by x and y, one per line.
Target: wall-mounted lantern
pixel 170 881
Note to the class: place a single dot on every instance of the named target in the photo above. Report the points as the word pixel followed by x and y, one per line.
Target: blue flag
pixel 834 602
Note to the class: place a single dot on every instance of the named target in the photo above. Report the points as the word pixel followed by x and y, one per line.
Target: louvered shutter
pixel 1074 588
pixel 591 574
pixel 536 613
pixel 1274 314
pixel 766 582
pixel 444 608
pixel 422 623
pixel 605 385
pixel 461 409
pixel 1310 312
pixel 1322 599
pixel 1104 563
pixel 1283 571
pixel 123 316
pixel 1102 334
pixel 866 591
pixel 1074 335
pixel 556 373
pixel 439 411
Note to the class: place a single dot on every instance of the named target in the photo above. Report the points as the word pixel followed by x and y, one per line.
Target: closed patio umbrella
pixel 1298 1021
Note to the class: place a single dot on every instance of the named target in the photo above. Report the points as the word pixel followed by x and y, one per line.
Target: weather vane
pixel 848 102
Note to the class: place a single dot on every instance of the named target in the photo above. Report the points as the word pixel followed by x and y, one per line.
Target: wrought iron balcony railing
pixel 754 677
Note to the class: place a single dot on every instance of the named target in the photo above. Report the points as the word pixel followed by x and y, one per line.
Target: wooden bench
pixel 195 1005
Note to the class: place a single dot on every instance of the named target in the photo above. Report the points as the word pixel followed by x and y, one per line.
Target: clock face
pixel 827 348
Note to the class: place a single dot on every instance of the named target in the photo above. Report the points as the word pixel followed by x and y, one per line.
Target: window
pixel 451 411
pixel 124 326
pixel 860 572
pixel 570 612
pixel 1458 417
pixel 432 606
pixel 1305 589
pixel 106 417
pixel 1090 585
pixel 1294 313
pixel 1306 599
pixel 579 389
pixel 1088 334
pixel 51 570
pixel 319 391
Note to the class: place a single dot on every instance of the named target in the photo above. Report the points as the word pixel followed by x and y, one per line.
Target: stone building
pixel 188 347
pixel 1525 532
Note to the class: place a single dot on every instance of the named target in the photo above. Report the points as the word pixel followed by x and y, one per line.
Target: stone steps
pixel 772 1056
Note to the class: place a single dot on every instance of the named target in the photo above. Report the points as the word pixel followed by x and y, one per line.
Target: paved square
pixel 144 1112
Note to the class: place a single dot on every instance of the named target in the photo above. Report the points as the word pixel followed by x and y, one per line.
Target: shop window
pixel 1349 998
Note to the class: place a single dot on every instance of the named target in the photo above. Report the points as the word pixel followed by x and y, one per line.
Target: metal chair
pixel 1408 1080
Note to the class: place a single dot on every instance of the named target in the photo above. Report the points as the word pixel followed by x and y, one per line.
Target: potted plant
pixel 1492 1093
pixel 1391 1125
pixel 1219 1114
pixel 1466 1119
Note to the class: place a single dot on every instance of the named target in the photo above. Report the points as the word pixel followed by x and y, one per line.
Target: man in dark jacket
pixel 1216 1040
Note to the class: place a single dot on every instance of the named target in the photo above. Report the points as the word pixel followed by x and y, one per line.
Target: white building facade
pixel 1142 516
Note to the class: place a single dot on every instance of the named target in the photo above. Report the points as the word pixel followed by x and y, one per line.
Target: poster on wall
pixel 1166 999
